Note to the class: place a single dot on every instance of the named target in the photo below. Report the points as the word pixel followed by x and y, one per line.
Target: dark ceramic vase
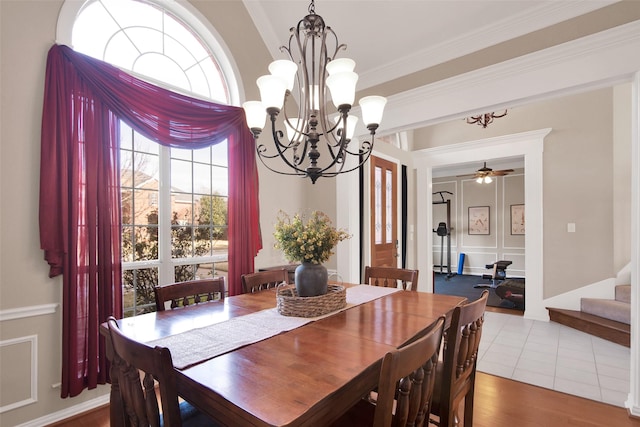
pixel 311 279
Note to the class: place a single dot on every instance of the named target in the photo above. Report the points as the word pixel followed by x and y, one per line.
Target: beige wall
pixel 27 31
pixel 578 181
pixel 580 144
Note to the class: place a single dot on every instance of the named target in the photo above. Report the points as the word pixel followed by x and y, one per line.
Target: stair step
pixel 607 308
pixel 609 330
pixel 623 293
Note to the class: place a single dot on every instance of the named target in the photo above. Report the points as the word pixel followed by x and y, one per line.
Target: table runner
pixel 201 344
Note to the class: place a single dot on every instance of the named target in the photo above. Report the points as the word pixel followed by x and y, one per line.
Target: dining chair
pixel 182 294
pixel 456 375
pixel 132 361
pixel 262 280
pixel 390 277
pixel 405 386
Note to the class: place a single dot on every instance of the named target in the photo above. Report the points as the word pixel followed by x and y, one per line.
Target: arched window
pixel 174 201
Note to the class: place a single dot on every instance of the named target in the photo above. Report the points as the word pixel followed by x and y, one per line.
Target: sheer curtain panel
pixel 84 100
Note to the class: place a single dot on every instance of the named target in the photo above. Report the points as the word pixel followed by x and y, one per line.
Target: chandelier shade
pixel 311 95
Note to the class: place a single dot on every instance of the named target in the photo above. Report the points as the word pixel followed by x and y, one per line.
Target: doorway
pixel 384 213
pixel 526 144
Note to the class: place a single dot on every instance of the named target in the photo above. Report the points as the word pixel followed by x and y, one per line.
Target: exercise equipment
pixel 444 230
pixel 499 274
pixel 512 290
pixel 461 262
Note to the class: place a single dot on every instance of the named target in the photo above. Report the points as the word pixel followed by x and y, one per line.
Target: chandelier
pixel 485 119
pixel 301 88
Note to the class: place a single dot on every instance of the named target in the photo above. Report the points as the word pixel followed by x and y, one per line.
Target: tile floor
pixel 554 356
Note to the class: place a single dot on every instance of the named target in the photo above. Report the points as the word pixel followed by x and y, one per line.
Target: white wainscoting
pixel 32 340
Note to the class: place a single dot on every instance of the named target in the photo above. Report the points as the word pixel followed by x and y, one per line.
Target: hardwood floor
pixel 499 402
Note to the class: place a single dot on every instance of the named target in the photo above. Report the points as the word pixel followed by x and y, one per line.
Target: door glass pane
pixel 378 205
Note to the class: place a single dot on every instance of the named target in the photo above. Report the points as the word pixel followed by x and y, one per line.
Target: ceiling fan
pixel 485 174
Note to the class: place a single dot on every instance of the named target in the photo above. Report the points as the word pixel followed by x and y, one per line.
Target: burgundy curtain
pixel 80 190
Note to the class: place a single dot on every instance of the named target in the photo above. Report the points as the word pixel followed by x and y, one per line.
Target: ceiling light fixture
pixel 315 72
pixel 485 119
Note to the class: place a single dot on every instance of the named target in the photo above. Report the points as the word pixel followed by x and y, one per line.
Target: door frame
pixel 348 251
pixel 527 144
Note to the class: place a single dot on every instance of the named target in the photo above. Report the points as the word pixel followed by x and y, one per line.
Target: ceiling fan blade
pixel 501 172
pixel 470 175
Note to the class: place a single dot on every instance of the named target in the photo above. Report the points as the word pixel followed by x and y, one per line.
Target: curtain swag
pixel 84 100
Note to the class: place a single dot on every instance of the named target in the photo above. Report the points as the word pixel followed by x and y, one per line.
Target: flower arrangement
pixel 312 241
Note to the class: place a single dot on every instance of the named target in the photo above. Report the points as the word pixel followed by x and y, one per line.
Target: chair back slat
pixel 456 378
pixel 132 359
pixel 183 294
pixel 407 379
pixel 391 277
pixel 263 280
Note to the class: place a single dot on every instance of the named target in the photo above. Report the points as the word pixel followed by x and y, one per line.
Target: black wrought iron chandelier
pixel 485 119
pixel 312 76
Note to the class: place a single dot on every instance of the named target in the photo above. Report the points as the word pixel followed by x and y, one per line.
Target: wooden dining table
pixel 307 376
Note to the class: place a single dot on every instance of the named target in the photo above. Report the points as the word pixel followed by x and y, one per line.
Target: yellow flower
pixel 312 241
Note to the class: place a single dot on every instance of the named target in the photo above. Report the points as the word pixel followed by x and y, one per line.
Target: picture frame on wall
pixel 479 220
pixel 517 220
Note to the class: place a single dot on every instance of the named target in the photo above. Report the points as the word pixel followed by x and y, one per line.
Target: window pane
pixel 219 154
pixel 181 179
pixel 377 215
pixel 145 243
pixel 145 145
pixel 126 200
pixel 182 273
pixel 137 293
pixel 181 242
pixel 126 137
pixel 220 181
pixel 127 243
pixel 202 155
pixel 178 153
pixel 202 178
pixel 388 206
pixel 140 35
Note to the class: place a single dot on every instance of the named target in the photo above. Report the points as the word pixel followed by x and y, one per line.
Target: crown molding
pixel 515 26
pixel 598 60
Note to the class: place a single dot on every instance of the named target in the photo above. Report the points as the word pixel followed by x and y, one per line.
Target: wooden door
pixel 384 221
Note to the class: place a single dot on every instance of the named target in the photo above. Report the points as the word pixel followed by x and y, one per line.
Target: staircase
pixel 608 319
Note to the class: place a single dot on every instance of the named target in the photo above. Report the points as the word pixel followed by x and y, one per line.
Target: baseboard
pixel 69 412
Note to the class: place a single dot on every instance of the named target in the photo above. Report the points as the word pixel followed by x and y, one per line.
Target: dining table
pixel 306 373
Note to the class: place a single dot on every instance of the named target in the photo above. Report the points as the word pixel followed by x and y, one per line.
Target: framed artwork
pixel 479 220
pixel 517 219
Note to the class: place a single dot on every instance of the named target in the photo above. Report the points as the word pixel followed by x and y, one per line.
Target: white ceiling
pixel 392 38
pixel 389 39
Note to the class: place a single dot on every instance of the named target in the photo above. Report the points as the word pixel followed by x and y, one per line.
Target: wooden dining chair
pixel 456 375
pixel 132 361
pixel 405 386
pixel 262 280
pixel 182 294
pixel 391 277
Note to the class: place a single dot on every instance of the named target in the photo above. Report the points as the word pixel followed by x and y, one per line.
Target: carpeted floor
pixel 464 286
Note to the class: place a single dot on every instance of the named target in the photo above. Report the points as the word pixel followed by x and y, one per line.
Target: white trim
pixel 603 59
pixel 67 412
pixel 633 401
pixel 30 311
pixel 33 398
pixel 188 14
pixel 533 19
pixel 527 144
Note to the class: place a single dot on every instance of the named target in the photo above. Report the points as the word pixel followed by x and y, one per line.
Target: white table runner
pixel 197 345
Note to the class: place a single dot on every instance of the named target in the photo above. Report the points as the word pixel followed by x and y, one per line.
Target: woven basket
pixel 290 304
